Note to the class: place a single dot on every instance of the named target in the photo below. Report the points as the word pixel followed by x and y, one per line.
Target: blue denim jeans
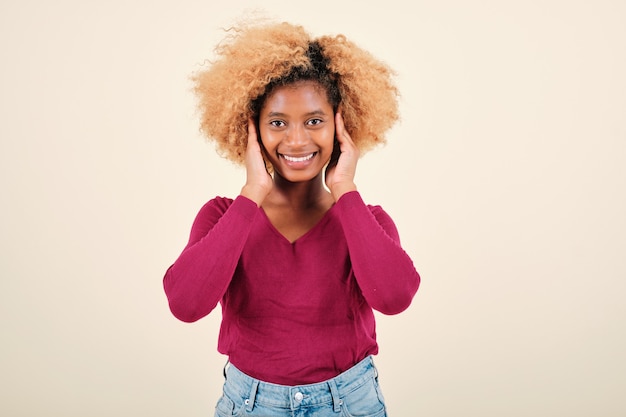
pixel 354 393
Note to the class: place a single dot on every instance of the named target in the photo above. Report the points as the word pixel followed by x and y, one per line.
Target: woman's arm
pixel 385 273
pixel 198 279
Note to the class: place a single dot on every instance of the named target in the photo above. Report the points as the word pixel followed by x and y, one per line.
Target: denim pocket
pixel 227 408
pixel 224 407
pixel 365 401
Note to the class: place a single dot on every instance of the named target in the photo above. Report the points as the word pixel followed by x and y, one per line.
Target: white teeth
pixel 300 159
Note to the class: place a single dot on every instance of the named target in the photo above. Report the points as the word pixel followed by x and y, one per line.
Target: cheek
pixel 267 139
pixel 329 140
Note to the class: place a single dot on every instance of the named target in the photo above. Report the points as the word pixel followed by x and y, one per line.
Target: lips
pixel 303 158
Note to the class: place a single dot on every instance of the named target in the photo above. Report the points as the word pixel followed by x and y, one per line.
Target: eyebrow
pixel 318 112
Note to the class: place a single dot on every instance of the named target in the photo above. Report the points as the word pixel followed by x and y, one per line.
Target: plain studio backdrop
pixel 505 177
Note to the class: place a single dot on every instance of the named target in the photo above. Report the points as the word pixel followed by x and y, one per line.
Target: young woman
pixel 297 261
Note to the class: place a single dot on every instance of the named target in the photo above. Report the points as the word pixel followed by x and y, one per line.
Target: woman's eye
pixel 314 122
pixel 277 123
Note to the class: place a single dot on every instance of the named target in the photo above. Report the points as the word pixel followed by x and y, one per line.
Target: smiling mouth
pixel 298 158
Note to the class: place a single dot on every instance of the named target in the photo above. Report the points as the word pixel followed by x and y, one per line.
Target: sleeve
pixel 385 273
pixel 198 279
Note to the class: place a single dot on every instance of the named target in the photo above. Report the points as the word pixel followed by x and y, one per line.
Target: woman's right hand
pixel 259 182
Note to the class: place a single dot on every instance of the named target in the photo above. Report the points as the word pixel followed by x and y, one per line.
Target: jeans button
pixel 298 397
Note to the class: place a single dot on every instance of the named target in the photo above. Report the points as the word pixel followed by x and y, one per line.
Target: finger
pixel 254 146
pixel 341 132
pixel 346 143
pixel 340 128
pixel 252 134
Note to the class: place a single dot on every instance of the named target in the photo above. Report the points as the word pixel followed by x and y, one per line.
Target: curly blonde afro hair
pixel 256 58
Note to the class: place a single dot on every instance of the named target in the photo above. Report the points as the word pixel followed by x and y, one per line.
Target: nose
pixel 296 135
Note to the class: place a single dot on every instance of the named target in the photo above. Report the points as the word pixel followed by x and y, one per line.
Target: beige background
pixel 505 177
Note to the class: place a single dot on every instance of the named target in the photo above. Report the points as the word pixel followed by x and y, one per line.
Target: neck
pixel 298 195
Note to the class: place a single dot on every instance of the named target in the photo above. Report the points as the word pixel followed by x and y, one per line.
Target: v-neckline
pixel 322 220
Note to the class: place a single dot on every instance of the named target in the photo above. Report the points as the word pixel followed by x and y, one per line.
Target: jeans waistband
pixel 293 397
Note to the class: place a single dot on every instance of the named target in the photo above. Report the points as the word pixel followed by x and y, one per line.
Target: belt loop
pixel 250 400
pixel 374 368
pixel 335 394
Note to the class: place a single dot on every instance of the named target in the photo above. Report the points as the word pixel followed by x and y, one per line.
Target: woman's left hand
pixel 341 169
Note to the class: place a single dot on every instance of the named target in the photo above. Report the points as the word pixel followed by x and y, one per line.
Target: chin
pixel 300 176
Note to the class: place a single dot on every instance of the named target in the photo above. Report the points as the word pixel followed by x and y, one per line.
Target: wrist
pixel 340 189
pixel 254 193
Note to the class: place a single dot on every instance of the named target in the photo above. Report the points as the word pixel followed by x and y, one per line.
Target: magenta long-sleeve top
pixel 292 312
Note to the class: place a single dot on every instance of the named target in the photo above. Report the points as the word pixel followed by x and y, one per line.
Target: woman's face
pixel 297 129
